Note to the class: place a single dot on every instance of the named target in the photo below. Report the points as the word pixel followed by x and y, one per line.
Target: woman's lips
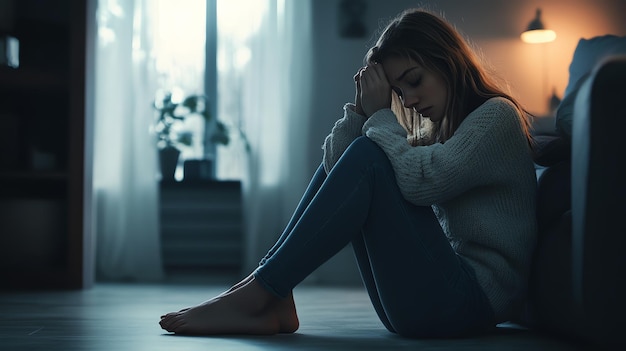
pixel 425 112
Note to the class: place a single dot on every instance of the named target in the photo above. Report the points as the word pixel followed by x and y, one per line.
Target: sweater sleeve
pixel 432 174
pixel 343 133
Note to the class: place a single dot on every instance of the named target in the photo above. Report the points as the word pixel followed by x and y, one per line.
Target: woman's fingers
pixel 357 97
pixel 357 76
pixel 375 89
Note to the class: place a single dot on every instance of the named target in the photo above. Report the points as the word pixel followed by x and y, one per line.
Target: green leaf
pixel 185 138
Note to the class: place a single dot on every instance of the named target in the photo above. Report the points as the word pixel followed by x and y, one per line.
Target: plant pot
pixel 168 158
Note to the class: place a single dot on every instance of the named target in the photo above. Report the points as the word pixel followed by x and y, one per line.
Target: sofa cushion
pixel 588 54
pixel 554 194
pixel 551 149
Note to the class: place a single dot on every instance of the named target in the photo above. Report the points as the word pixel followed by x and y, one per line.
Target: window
pixel 237 21
pixel 188 33
pixel 179 48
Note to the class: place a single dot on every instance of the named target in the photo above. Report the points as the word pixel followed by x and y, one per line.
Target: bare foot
pixel 243 282
pixel 248 309
pixel 231 289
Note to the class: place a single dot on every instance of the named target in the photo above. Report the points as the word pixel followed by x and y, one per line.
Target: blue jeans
pixel 417 283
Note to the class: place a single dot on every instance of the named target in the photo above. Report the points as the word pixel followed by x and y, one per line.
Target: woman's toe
pixel 177 326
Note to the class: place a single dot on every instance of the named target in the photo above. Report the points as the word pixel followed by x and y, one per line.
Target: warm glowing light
pixel 537 32
pixel 538 36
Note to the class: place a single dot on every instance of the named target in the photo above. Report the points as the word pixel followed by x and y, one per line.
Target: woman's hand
pixel 357 98
pixel 375 89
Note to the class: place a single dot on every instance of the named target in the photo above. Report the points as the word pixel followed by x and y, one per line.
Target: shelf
pixel 27 79
pixel 55 278
pixel 33 184
pixel 8 176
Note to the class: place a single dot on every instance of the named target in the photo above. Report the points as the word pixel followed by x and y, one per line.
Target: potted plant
pixel 172 112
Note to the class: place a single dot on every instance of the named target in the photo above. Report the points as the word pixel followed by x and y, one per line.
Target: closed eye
pixel 416 82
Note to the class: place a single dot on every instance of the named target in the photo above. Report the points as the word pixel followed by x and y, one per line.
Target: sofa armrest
pixel 599 201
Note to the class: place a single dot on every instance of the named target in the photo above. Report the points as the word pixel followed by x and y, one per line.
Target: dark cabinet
pixel 201 226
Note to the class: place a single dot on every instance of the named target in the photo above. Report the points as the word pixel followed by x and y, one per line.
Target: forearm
pixel 342 135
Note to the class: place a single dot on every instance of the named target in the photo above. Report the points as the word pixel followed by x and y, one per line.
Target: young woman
pixel 429 175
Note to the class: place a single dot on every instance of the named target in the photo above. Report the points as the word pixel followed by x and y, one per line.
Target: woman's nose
pixel 410 101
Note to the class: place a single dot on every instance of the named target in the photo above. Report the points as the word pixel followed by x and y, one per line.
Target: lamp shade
pixel 536 32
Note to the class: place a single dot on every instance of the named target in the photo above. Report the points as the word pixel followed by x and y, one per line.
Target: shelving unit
pixel 45 157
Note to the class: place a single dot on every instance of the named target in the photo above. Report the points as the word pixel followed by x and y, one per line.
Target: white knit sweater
pixel 481 184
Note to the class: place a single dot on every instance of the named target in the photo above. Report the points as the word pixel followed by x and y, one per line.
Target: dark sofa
pixel 577 285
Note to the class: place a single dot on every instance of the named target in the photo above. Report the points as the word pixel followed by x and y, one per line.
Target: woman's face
pixel 420 89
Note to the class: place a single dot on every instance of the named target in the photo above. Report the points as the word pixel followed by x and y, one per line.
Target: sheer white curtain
pixel 125 156
pixel 276 110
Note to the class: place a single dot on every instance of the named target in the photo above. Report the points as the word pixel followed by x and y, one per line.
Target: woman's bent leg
pixel 256 309
pixel 414 292
pixel 333 218
pixel 419 283
pixel 284 319
pixel 419 286
pixel 314 184
pixel 365 268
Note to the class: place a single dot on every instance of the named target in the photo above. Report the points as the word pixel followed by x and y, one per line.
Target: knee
pixel 363 142
pixel 364 153
pixel 366 146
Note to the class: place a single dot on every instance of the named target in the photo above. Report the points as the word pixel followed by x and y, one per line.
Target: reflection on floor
pixel 124 317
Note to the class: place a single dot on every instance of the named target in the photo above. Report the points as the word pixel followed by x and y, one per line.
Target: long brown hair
pixel 438 46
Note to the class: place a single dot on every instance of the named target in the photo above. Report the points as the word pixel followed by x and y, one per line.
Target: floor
pixel 114 316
